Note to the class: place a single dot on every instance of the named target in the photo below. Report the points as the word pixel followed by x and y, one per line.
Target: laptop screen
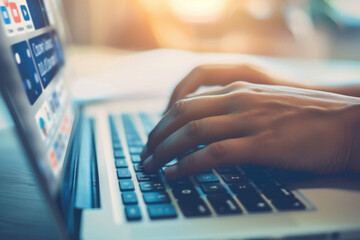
pixel 32 81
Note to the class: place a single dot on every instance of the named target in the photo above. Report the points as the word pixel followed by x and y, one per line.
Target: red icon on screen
pixel 15 12
pixel 6 3
pixel 53 159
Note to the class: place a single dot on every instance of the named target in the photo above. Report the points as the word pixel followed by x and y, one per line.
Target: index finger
pixel 209 75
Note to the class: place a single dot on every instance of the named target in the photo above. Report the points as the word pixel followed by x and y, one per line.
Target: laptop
pixel 85 158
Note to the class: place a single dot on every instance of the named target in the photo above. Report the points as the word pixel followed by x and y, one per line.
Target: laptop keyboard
pixel 222 191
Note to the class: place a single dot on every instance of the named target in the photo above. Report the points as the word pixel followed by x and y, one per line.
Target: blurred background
pixel 311 29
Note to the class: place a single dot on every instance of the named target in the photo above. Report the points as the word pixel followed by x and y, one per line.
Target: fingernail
pixel 144 152
pixel 171 172
pixel 147 163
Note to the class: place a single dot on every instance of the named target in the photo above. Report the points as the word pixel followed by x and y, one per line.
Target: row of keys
pixel 155 211
pixel 132 137
pixel 250 198
pixel 129 198
pixel 239 180
pixel 158 201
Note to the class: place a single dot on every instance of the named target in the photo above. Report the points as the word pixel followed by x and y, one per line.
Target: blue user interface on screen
pixel 38 62
pixel 47 55
pixel 27 70
pixel 38 13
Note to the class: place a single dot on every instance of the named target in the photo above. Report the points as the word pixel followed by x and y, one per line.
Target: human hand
pixel 211 75
pixel 266 125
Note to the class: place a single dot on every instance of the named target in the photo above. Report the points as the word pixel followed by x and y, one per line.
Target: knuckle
pixel 234 86
pixel 242 83
pixel 198 69
pixel 192 128
pixel 178 108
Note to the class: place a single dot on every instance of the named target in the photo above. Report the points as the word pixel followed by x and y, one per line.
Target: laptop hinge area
pixel 87 187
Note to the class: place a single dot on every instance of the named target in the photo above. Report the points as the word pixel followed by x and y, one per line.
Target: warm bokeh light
pixel 198 11
pixel 303 29
pixel 260 9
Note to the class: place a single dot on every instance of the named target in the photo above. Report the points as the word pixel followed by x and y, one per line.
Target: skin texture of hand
pixel 244 123
pixel 211 75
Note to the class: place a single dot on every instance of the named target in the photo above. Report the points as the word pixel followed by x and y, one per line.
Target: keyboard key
pixel 186 192
pixel 283 199
pixel 135 142
pixel 210 188
pixel 261 181
pixel 152 186
pixel 132 213
pixel 194 208
pixel 119 154
pixel 268 184
pixel 156 197
pixel 252 201
pixel 135 150
pixel 131 134
pixel 145 177
pixel 135 158
pixel 126 185
pixel 223 204
pixel 288 203
pixel 226 170
pixel 123 173
pixel 138 167
pixel 243 189
pixel 180 183
pixel 207 177
pixel 239 187
pixel 147 122
pixel 161 211
pixel 255 205
pixel 274 193
pixel 117 145
pixel 129 198
pixel 233 178
pixel 115 137
pixel 251 170
pixel 121 163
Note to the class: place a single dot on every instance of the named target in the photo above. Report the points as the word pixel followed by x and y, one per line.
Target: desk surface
pixel 106 72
